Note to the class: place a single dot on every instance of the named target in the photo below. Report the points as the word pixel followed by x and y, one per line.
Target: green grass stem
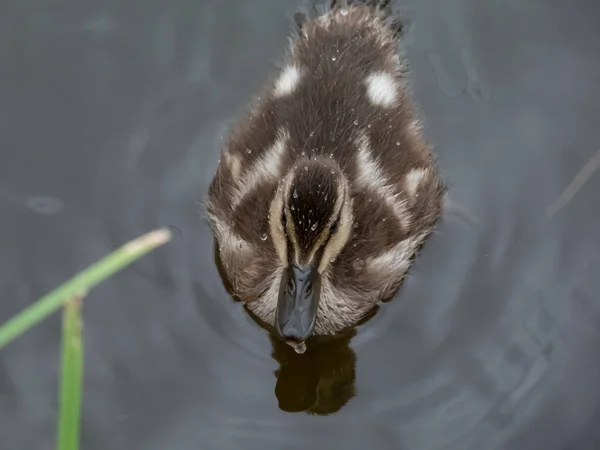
pixel 71 376
pixel 81 284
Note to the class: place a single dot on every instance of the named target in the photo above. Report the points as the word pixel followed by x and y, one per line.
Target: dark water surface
pixel 112 115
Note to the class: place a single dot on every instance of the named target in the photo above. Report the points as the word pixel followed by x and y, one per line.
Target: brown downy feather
pixel 327 118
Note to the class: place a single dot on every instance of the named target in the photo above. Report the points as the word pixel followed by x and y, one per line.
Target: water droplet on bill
pixel 299 347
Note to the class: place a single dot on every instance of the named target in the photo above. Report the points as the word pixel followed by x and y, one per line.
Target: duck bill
pixel 298 302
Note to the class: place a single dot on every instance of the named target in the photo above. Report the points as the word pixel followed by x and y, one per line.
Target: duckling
pixel 327 188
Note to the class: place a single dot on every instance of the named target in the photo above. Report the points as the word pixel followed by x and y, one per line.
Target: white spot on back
pixel 288 81
pixel 266 167
pixel 413 180
pixel 228 240
pixel 397 259
pixel 381 89
pixel 372 177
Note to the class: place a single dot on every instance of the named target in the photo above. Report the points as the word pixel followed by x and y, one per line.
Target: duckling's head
pixel 310 223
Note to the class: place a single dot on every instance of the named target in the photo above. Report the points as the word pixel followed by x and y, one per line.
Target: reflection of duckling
pixel 320 382
pixel 325 192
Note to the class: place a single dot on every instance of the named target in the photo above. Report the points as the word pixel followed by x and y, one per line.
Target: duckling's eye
pixel 283 219
pixel 334 226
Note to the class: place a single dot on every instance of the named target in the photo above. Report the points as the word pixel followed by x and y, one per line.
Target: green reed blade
pixel 81 283
pixel 71 376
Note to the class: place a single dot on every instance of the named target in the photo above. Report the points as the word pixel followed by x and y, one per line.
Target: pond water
pixel 113 114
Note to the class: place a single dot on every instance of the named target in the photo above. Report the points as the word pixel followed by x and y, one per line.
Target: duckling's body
pixel 325 192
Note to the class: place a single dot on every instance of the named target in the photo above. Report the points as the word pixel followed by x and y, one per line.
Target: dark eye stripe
pixel 334 227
